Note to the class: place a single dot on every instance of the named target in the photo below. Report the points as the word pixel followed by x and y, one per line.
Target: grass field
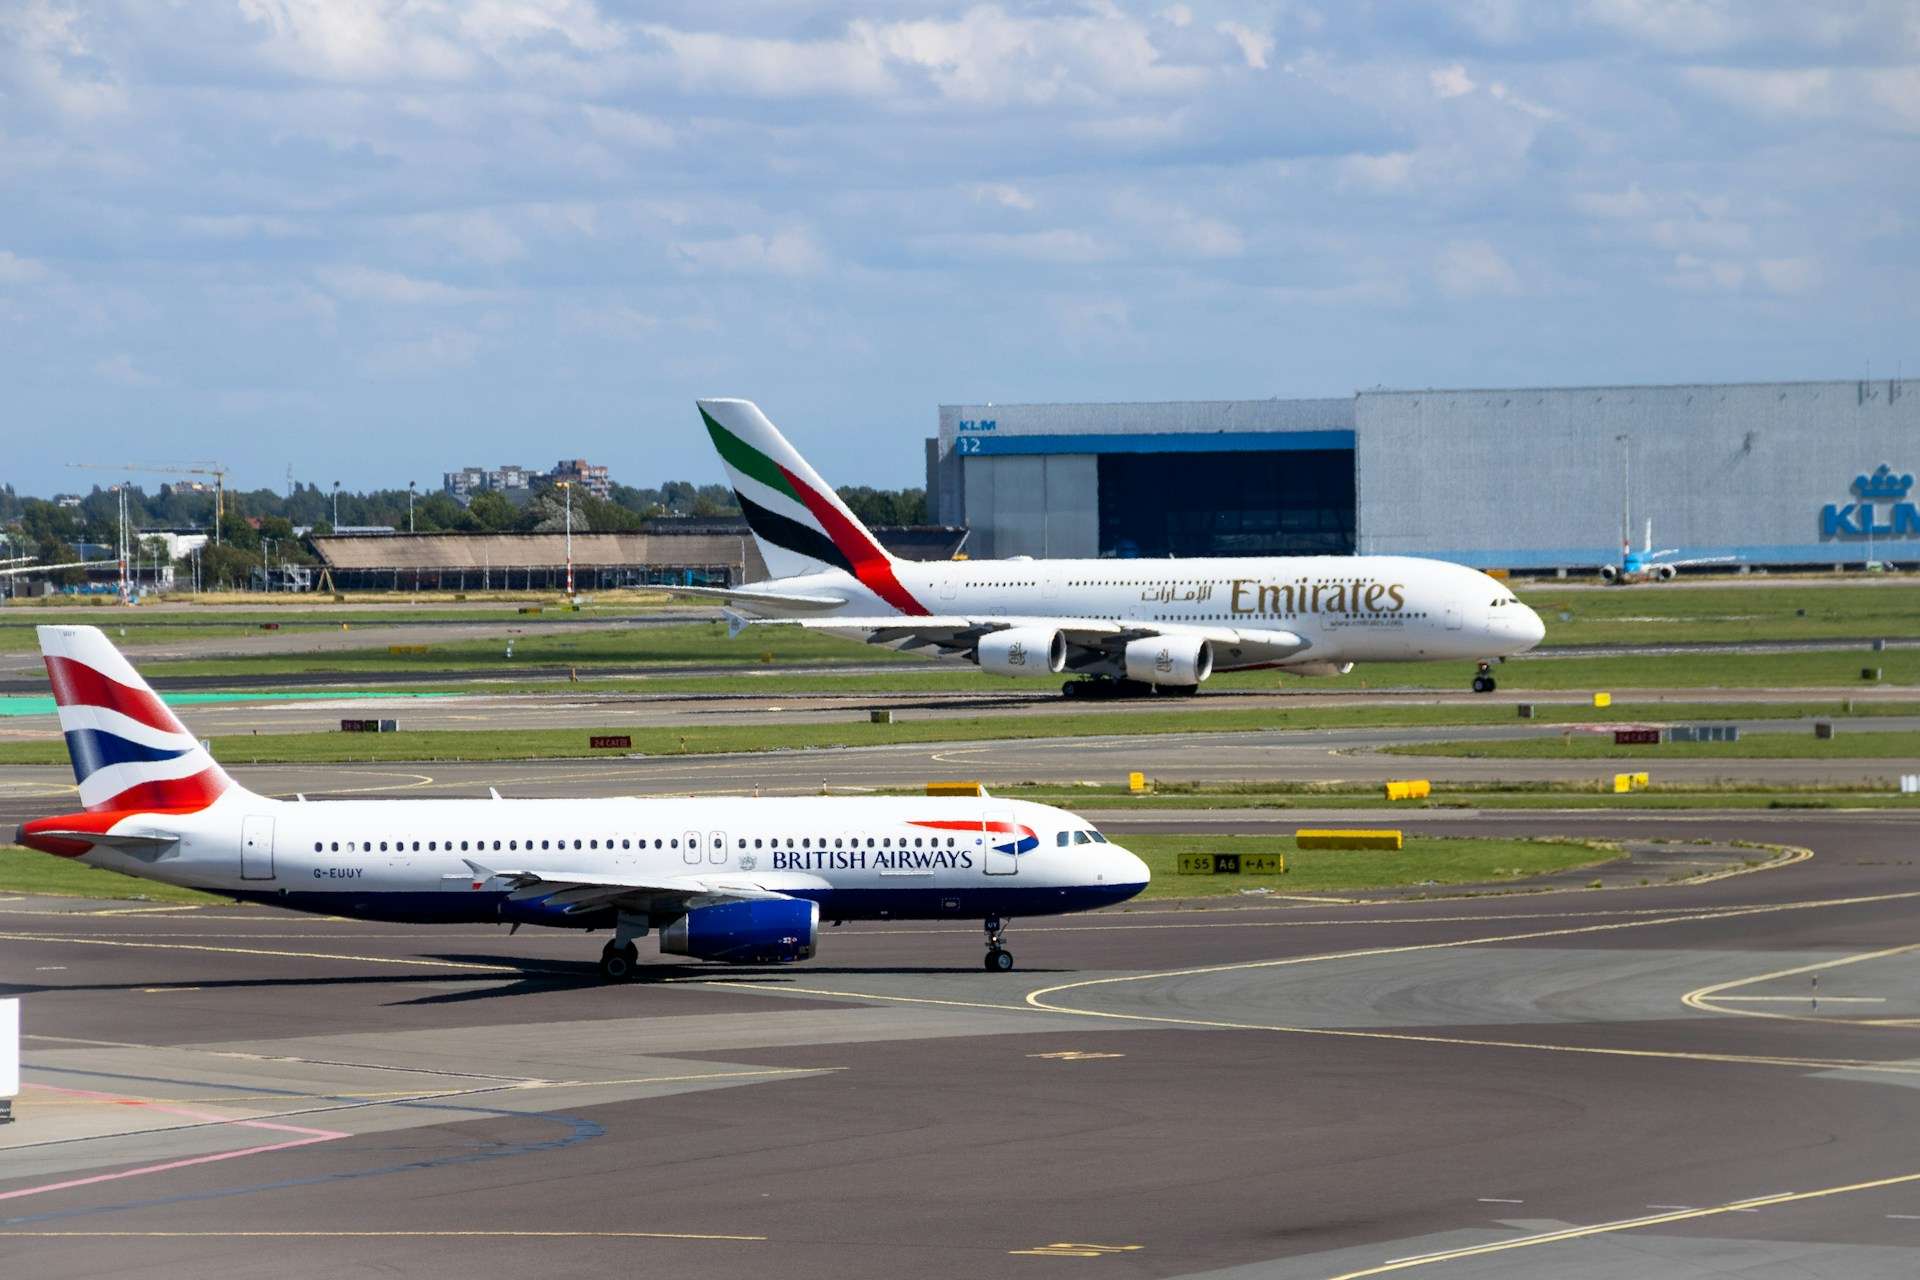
pixel 29 871
pixel 1184 716
pixel 1441 860
pixel 661 649
pixel 1656 612
pixel 1597 794
pixel 1894 745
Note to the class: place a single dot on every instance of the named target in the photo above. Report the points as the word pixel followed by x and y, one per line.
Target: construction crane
pixel 217 470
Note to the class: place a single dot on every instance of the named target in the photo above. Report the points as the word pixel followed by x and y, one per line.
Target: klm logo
pixel 1861 518
pixel 980 424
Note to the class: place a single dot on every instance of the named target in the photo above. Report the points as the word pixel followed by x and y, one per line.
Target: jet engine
pixel 1174 660
pixel 1665 573
pixel 1023 651
pixel 1318 668
pixel 772 931
pixel 1609 572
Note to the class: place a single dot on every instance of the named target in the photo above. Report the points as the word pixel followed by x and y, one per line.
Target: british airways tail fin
pixel 799 522
pixel 129 751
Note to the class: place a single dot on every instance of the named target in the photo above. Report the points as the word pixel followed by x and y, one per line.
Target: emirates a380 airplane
pixel 732 879
pixel 1131 625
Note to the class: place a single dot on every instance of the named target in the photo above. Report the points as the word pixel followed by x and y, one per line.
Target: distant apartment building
pixel 517 480
pixel 584 474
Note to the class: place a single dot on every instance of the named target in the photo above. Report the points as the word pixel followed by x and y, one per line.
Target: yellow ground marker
pixel 1347 838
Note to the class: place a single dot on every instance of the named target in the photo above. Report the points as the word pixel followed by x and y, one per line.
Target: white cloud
pixel 1255 46
pixel 785 253
pixel 1381 173
pixel 1004 194
pixel 984 56
pixel 1171 228
pixel 366 284
pixel 1631 203
pixel 1470 268
pixel 613 321
pixel 1450 82
pixel 1789 276
pixel 628 128
pixel 17 270
pixel 121 371
pixel 1178 14
pixel 1059 245
pixel 435 352
pixel 52 60
pixel 1698 274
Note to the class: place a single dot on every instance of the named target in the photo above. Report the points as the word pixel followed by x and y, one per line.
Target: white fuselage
pixel 436 860
pixel 1347 608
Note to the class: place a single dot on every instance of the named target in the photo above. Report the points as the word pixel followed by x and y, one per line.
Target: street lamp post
pixel 409 506
pixel 1626 497
pixel 266 569
pixel 568 486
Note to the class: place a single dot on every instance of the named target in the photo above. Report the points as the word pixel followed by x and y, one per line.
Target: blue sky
pixel 376 239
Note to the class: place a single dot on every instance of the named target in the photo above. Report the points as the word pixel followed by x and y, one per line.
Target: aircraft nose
pixel 1532 629
pixel 1128 868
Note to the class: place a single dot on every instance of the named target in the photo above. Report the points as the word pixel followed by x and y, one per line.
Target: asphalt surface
pixel 1592 1084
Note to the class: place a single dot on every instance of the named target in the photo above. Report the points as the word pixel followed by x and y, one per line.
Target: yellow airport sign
pixel 955 789
pixel 1410 789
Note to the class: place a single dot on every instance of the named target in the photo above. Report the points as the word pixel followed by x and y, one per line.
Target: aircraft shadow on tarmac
pixel 510 978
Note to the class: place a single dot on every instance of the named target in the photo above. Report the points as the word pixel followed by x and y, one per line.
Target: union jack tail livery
pixel 130 753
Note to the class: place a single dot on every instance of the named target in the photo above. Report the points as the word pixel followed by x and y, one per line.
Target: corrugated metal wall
pixel 1533 478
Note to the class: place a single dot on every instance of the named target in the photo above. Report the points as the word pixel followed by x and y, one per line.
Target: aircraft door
pixel 1001 838
pixel 256 848
pixel 1453 617
pixel 949 584
pixel 717 848
pixel 690 847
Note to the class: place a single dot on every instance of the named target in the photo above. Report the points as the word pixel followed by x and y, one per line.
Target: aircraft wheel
pixel 999 960
pixel 1483 684
pixel 618 964
pixel 1071 689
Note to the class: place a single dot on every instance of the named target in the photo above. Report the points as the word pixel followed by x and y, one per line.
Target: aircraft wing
pixel 754 597
pixel 667 895
pixel 1092 638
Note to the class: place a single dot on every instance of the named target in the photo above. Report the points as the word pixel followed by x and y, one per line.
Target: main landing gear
pixel 999 959
pixel 1483 679
pixel 620 959
pixel 1110 687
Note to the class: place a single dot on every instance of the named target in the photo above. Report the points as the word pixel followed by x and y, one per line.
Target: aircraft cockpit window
pixel 1081 837
pixel 1062 839
pixel 1097 837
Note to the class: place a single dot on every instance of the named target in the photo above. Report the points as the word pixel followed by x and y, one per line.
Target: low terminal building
pixel 707 552
pixel 1527 479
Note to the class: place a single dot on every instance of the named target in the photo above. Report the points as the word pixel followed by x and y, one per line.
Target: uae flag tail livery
pixel 799 523
pixel 130 753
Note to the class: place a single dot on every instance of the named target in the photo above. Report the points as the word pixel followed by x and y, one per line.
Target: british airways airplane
pixel 732 879
pixel 1118 626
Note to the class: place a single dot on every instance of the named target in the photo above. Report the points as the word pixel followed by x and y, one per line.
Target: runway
pixel 1596 1084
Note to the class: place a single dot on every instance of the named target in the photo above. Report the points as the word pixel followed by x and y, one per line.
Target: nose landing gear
pixel 1483 679
pixel 999 959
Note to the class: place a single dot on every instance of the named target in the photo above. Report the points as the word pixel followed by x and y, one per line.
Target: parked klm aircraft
pixel 730 879
pixel 1131 625
pixel 1648 565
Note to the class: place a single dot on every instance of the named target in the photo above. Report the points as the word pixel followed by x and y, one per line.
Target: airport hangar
pixel 1526 479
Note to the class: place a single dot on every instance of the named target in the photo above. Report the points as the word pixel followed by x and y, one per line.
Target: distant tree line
pixel 38 527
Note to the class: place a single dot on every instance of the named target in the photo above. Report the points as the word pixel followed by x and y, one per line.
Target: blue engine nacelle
pixel 771 932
